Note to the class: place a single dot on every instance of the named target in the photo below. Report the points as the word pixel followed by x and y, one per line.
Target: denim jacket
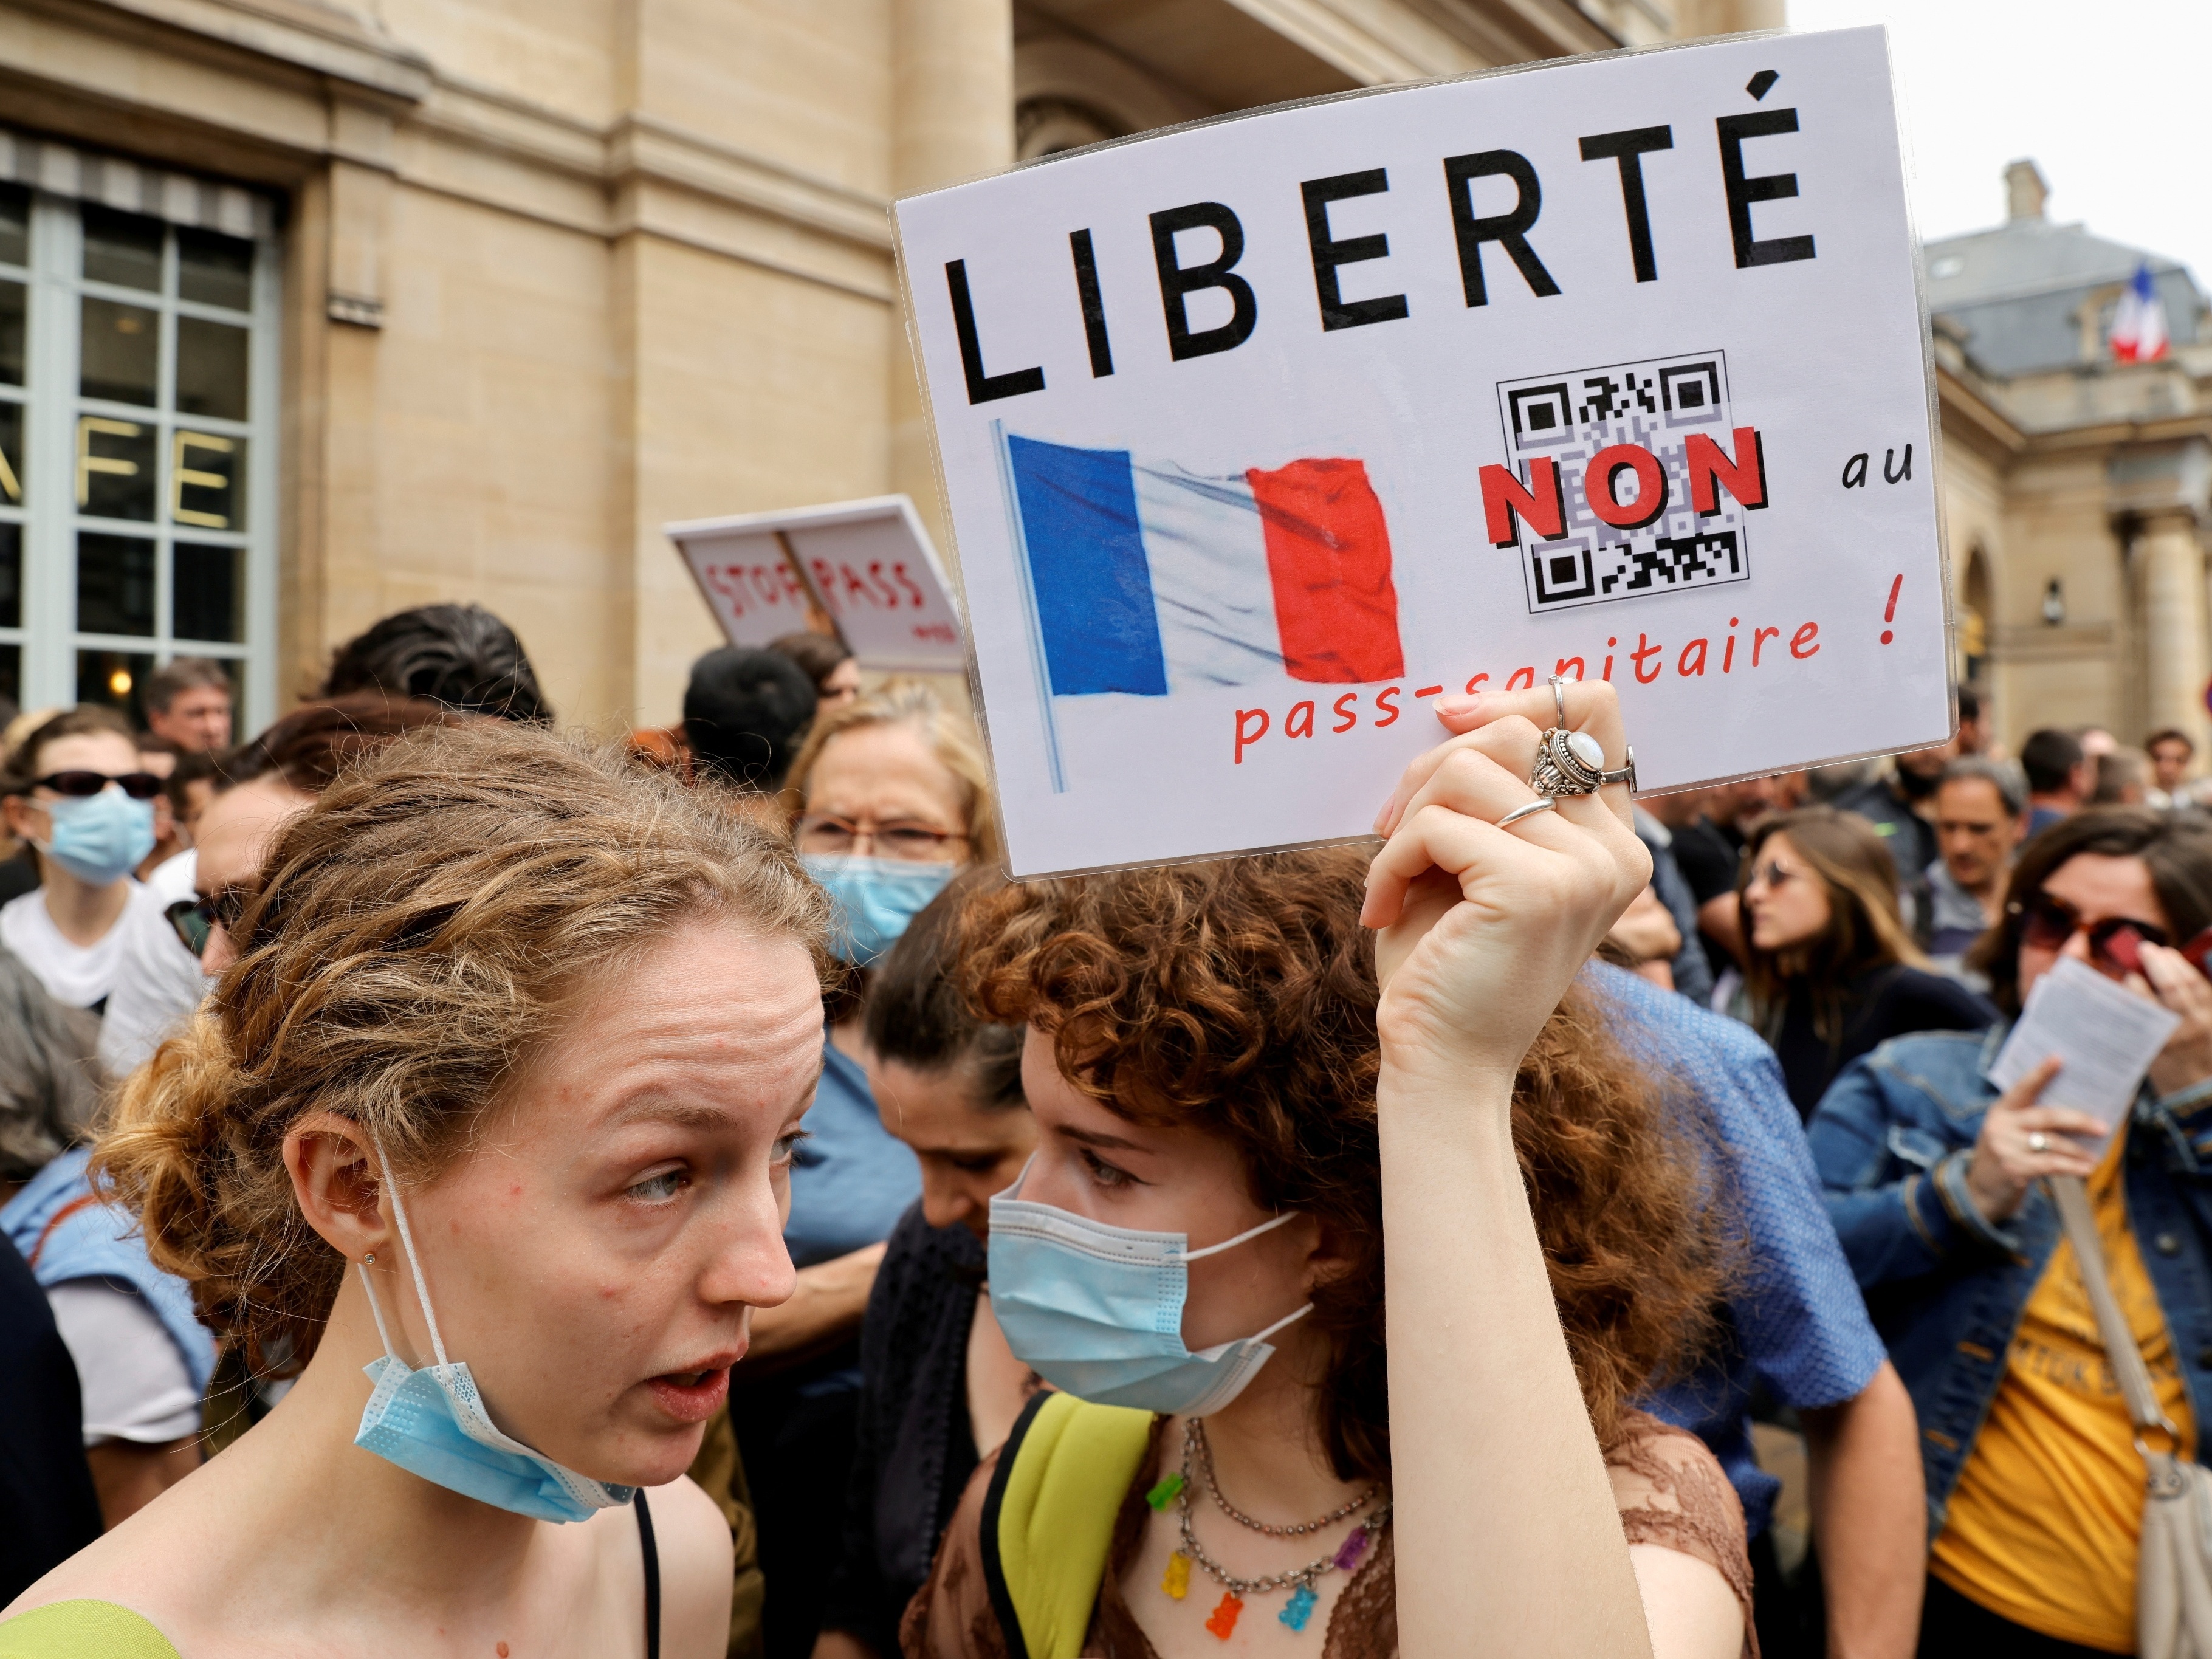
pixel 1946 1289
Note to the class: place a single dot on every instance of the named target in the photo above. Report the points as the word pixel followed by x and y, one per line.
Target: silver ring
pixel 1527 810
pixel 1572 764
pixel 1559 697
pixel 2038 1141
pixel 1567 763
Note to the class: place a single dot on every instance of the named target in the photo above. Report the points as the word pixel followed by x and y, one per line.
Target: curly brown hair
pixel 421 934
pixel 1238 997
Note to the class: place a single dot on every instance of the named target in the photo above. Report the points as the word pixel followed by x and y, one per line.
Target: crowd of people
pixel 466 1188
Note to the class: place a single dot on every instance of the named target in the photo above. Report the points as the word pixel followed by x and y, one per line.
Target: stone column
pixel 952 117
pixel 2176 653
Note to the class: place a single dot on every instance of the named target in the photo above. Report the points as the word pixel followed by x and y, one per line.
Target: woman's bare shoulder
pixel 692 1538
pixel 1673 1495
pixel 158 1563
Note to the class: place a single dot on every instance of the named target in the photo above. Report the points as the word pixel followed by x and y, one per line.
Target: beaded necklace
pixel 1198 1464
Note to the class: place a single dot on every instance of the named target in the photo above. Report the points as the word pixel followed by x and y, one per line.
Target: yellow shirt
pixel 2046 1520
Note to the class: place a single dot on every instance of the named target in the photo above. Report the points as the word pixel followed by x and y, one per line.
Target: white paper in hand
pixel 2104 1036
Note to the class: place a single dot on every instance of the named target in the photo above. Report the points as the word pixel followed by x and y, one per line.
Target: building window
pixel 138 455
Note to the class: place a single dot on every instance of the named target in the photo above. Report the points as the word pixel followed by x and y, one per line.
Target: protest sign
pixel 864 570
pixel 1257 433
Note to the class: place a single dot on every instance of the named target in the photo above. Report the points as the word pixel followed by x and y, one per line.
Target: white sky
pixel 2109 100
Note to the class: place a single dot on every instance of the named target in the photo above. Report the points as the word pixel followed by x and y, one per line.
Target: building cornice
pixel 641 146
pixel 1375 44
pixel 323 40
pixel 1956 397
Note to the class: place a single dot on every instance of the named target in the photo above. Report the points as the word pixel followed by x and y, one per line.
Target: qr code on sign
pixel 1655 405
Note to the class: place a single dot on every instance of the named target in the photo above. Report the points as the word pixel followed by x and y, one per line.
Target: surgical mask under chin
pixel 876 898
pixel 433 1422
pixel 100 838
pixel 1097 1310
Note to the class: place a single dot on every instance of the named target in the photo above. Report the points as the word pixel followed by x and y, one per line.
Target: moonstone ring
pixel 2038 1141
pixel 1573 763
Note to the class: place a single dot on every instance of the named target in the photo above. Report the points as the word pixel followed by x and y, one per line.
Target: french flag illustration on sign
pixel 1148 579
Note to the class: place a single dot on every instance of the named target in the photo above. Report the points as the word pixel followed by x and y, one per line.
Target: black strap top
pixel 651 1553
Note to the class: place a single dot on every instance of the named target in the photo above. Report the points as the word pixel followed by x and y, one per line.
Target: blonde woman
pixel 485 1138
pixel 1831 969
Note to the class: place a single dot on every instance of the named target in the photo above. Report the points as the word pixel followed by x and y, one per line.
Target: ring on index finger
pixel 1527 810
pixel 2038 1141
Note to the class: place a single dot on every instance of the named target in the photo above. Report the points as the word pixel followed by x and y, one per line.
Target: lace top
pixel 1670 1490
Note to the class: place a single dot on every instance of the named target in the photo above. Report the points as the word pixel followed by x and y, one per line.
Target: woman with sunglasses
pixel 1831 969
pixel 2035 1487
pixel 77 792
pixel 894 798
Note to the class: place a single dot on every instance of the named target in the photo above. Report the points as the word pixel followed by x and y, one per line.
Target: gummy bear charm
pixel 1177 1580
pixel 1299 1609
pixel 1348 1554
pixel 1164 1494
pixel 1222 1621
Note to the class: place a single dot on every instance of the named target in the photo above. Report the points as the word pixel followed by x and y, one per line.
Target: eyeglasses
pixel 2115 944
pixel 915 843
pixel 195 919
pixel 83 786
pixel 1772 874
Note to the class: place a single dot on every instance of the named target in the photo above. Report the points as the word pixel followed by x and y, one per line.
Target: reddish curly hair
pixel 1238 997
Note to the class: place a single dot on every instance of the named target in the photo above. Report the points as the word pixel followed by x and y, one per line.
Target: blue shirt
pixel 94 1242
pixel 851 1179
pixel 1796 1321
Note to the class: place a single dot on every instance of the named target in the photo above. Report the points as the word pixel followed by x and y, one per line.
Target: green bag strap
pixel 82 1629
pixel 1048 1518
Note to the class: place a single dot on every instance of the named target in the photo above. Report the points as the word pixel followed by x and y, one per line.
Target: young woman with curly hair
pixel 1259 1126
pixel 485 1137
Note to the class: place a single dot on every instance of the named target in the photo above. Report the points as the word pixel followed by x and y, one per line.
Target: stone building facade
pixel 2077 490
pixel 312 309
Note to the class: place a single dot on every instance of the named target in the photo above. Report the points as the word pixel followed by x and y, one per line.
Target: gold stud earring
pixel 369 1260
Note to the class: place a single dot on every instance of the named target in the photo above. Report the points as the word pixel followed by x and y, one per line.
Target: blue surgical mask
pixel 1097 1310
pixel 433 1422
pixel 100 838
pixel 876 898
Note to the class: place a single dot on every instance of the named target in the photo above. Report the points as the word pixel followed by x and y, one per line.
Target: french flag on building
pixel 2139 321
pixel 1149 580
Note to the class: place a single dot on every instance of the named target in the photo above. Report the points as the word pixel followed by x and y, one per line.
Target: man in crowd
pixel 188 702
pixel 2171 753
pixel 745 713
pixel 2060 777
pixel 2122 779
pixel 1795 1332
pixel 1980 817
pixel 460 657
pixel 1898 805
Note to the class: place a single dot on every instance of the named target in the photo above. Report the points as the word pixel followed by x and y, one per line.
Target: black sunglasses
pixel 83 785
pixel 195 919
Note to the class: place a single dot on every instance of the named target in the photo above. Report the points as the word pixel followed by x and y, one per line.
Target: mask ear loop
pixel 1287 1318
pixel 414 1262
pixel 376 1312
pixel 1240 1238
